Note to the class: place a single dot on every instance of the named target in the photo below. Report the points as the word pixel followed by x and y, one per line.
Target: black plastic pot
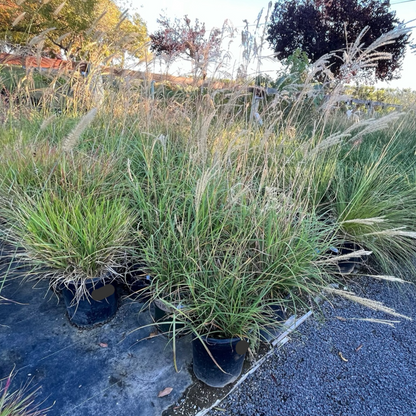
pixel 269 333
pixel 164 320
pixel 138 282
pixel 140 289
pixel 224 352
pixel 347 266
pixel 99 308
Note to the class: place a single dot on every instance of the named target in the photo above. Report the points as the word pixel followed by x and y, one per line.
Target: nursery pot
pixel 347 266
pixel 138 282
pixel 141 289
pixel 100 307
pixel 164 320
pixel 271 332
pixel 224 351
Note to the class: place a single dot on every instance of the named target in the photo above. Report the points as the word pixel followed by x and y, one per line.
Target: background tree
pixel 181 38
pixel 318 27
pixel 78 27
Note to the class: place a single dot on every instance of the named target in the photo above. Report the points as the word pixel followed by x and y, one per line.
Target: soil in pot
pixel 229 355
pixel 99 308
pixel 164 319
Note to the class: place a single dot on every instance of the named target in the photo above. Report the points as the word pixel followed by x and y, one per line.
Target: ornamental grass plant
pixel 69 222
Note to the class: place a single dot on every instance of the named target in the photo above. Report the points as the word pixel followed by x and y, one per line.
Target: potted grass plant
pixel 75 241
pixel 74 232
pixel 226 313
pixel 374 207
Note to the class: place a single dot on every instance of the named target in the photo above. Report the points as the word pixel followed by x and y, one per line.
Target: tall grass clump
pixel 220 242
pixel 374 206
pixel 69 221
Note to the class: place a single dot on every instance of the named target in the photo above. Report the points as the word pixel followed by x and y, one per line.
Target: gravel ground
pixel 308 376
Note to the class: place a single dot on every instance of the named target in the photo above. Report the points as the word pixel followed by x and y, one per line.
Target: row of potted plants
pixel 223 246
pixel 219 260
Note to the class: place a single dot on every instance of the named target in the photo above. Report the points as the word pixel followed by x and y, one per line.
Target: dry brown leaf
pixel 153 334
pixel 165 392
pixel 103 345
pixel 342 358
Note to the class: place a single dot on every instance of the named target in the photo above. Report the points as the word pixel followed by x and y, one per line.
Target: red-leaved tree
pixel 181 38
pixel 318 27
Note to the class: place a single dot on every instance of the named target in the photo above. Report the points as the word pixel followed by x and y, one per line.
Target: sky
pixel 215 12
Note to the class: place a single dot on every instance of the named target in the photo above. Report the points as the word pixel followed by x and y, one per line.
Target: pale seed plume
pixel 365 221
pixel 336 259
pixel 201 186
pixel 47 122
pixel 94 23
pixel 123 17
pixel 18 19
pixel 377 321
pixel 62 37
pixel 41 37
pixel 389 278
pixel 71 140
pixel 59 9
pixel 369 303
pixel 394 232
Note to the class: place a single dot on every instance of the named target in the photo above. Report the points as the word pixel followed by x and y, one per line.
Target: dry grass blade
pixel 72 138
pixel 19 2
pixel 369 303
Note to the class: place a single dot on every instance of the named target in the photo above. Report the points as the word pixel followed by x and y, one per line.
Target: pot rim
pixel 219 340
pixel 105 277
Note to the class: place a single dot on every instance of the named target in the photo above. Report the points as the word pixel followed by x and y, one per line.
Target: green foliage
pixel 406 97
pixel 82 28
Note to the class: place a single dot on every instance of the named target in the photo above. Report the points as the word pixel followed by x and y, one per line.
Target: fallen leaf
pixel 103 345
pixel 341 318
pixel 358 348
pixel 153 334
pixel 165 392
pixel 342 358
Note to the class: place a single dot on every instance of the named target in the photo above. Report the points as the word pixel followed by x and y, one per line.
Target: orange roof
pixel 34 62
